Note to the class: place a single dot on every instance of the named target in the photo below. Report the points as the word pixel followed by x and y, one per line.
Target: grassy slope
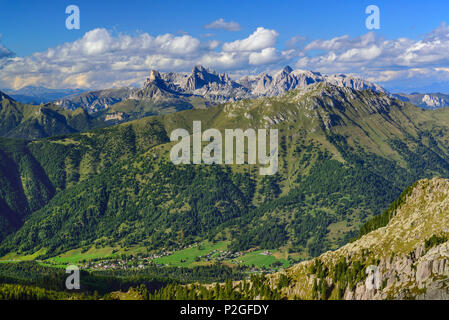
pixel 19 120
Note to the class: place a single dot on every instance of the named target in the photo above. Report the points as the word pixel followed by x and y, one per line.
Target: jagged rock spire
pixel 287 69
pixel 154 76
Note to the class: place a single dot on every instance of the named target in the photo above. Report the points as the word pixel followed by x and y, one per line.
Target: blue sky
pixel 331 37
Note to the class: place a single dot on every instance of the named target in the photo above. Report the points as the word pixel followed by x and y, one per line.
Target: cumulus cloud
pixel 266 56
pixel 213 44
pixel 5 52
pixel 224 60
pixel 361 54
pixel 381 60
pixel 342 43
pixel 294 41
pixel 222 24
pixel 261 38
pixel 100 59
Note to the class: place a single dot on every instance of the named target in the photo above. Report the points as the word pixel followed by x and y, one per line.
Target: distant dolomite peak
pixel 154 76
pixel 215 87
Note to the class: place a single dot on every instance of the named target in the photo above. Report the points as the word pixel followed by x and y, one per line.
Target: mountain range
pixel 168 92
pixel 162 93
pixel 210 87
pixel 203 86
pixel 427 101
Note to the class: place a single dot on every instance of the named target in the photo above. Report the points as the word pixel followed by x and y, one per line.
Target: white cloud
pixel 95 41
pixel 224 60
pixel 332 44
pixel 361 54
pixel 213 44
pixel 100 59
pixel 294 41
pixel 378 59
pixel 222 24
pixel 261 38
pixel 342 43
pixel 5 52
pixel 266 56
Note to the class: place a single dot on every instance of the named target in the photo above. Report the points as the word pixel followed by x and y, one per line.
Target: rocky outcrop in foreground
pixel 406 259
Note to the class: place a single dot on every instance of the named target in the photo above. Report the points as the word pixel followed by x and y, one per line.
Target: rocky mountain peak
pixel 199 77
pixel 155 79
pixel 204 78
pixel 287 70
pixel 220 88
pixel 5 96
pixel 199 68
pixel 154 88
pixel 154 76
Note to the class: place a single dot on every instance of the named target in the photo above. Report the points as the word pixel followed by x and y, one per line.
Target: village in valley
pixel 174 258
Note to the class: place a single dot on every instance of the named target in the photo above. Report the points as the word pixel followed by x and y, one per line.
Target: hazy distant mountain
pixel 288 79
pixel 24 121
pixel 38 95
pixel 94 101
pixel 425 100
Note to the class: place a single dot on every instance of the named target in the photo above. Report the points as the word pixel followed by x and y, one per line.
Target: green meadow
pixel 191 256
pixel 258 259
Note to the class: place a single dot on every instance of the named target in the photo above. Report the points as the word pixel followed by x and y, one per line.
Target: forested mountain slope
pixel 406 258
pixel 344 156
pixel 24 121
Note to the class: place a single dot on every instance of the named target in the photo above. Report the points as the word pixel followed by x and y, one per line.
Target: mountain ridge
pixel 37 94
pixel 216 88
pixel 22 121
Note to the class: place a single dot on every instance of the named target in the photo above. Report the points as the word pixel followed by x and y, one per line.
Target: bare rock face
pixel 201 77
pixel 410 254
pixel 402 277
pixel 119 116
pixel 424 271
pixel 154 76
